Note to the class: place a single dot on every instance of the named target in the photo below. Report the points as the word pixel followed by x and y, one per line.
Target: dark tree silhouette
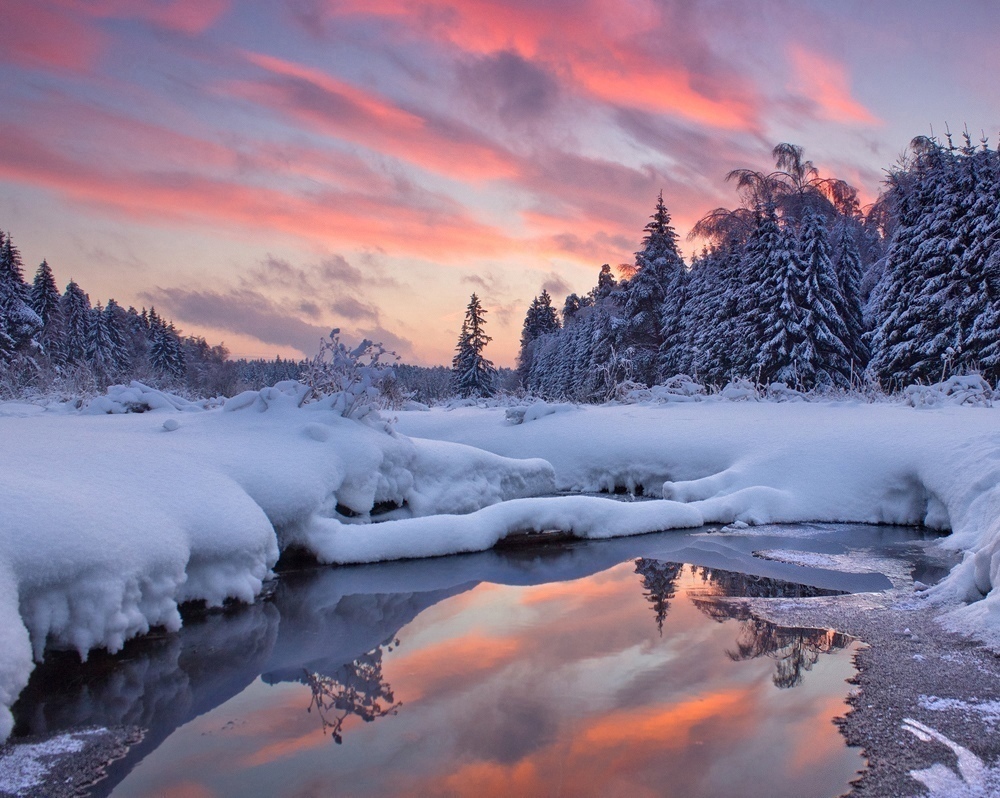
pixel 357 688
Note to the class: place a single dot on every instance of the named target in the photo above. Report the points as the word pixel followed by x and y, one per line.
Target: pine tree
pixel 166 356
pixel 472 374
pixel 45 301
pixel 821 356
pixel 18 322
pixel 849 276
pixel 541 319
pixel 979 306
pixel 772 322
pixel 99 348
pixel 44 296
pixel 651 300
pixel 75 309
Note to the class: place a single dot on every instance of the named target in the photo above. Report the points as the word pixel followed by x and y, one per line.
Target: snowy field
pixel 109 521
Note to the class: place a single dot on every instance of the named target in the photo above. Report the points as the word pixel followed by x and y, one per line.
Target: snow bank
pixel 764 462
pixel 108 522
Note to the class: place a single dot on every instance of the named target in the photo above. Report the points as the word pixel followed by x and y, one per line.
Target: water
pixel 605 668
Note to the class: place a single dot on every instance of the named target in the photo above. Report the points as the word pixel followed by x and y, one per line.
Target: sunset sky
pixel 261 172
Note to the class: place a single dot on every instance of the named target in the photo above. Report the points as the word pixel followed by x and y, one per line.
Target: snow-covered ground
pixel 109 521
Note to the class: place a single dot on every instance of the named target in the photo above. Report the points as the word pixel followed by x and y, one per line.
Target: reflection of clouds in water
pixel 564 685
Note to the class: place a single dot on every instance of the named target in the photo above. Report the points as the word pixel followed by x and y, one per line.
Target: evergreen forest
pixel 797 285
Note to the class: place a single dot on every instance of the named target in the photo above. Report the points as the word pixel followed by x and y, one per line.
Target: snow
pixel 109 521
pixel 27 766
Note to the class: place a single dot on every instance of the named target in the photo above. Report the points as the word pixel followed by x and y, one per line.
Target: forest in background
pixel 798 285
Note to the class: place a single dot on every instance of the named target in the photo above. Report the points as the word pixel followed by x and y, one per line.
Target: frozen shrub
pixel 969 389
pixel 353 380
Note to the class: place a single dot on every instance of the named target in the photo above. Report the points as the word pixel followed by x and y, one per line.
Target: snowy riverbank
pixel 110 521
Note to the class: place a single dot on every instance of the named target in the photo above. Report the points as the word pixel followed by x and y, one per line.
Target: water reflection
pixel 659 585
pixel 521 672
pixel 357 688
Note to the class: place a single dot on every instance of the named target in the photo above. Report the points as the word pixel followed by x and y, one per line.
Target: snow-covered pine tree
pixel 44 296
pixel 100 350
pixel 18 322
pixel 606 284
pixel 821 357
pixel 979 307
pixel 472 374
pixel 849 276
pixel 117 322
pixel 75 309
pixel 166 357
pixel 772 319
pixel 911 195
pixel 651 300
pixel 44 299
pixel 571 306
pixel 541 319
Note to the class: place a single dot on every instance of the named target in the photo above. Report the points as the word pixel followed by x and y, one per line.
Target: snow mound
pixel 679 388
pixel 108 524
pixel 740 391
pixel 762 462
pixel 533 412
pixel 138 398
pixel 970 390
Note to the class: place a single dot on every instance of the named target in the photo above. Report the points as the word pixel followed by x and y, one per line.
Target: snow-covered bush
pixel 781 392
pixel 137 397
pixel 969 389
pixel 353 379
pixel 740 390
pixel 630 392
pixel 679 388
pixel 532 412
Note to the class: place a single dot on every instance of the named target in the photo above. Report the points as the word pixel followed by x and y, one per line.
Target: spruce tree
pixel 18 322
pixel 651 300
pixel 541 319
pixel 773 318
pixel 821 355
pixel 75 309
pixel 472 374
pixel 45 301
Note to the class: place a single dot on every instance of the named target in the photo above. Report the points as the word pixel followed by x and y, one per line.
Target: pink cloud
pixel 825 82
pixel 35 35
pixel 344 111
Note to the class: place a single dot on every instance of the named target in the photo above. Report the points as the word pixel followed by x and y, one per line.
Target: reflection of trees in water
pixel 356 688
pixel 717 582
pixel 795 649
pixel 659 585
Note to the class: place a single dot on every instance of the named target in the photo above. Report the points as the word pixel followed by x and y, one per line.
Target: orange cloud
pixel 826 83
pixel 665 726
pixel 422 672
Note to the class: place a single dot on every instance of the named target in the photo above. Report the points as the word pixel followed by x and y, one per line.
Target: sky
pixel 261 172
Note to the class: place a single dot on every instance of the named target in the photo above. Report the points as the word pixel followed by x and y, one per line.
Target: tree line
pixel 798 284
pixel 54 342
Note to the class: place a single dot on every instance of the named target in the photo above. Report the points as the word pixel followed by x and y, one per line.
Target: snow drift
pixel 109 521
